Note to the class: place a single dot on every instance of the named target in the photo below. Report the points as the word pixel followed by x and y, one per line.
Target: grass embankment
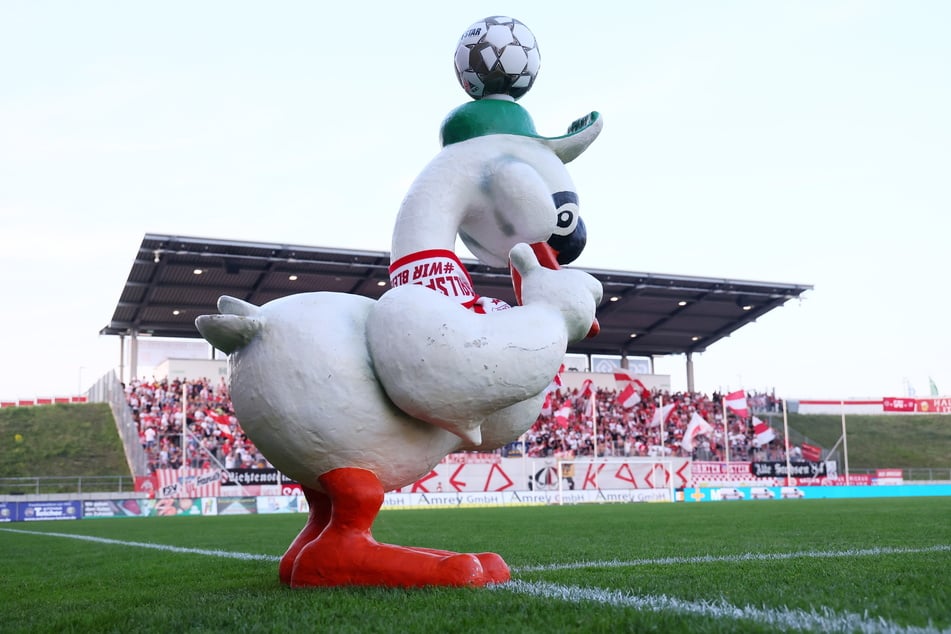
pixel 883 440
pixel 60 440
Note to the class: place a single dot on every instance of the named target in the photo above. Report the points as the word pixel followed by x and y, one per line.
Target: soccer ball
pixel 497 56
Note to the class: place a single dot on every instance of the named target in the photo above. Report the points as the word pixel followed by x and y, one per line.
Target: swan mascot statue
pixel 353 397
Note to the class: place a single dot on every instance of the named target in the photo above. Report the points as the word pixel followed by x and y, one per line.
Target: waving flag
pixel 661 414
pixel 586 389
pixel 763 433
pixel 556 382
pixel 563 415
pixel 736 401
pixel 547 405
pixel 696 427
pixel 811 452
pixel 225 430
pixel 628 397
pixel 630 390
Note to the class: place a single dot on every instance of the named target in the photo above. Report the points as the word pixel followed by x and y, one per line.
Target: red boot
pixel 345 552
pixel 316 522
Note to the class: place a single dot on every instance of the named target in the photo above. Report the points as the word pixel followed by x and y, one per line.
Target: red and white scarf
pixel 441 271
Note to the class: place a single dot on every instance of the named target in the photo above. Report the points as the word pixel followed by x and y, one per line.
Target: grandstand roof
pixel 176 278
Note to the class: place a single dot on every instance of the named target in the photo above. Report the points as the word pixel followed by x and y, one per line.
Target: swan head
pixel 528 194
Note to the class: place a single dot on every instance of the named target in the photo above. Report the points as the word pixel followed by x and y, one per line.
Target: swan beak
pixel 546 254
pixel 547 257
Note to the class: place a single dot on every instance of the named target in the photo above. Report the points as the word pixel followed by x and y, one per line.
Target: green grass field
pixel 846 565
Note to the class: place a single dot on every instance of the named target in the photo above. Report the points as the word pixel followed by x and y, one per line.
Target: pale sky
pixel 806 142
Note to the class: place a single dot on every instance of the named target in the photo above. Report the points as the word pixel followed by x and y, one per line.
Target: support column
pixel 690 372
pixel 134 356
pixel 122 359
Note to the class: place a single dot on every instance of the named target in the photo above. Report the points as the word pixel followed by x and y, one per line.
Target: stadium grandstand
pixel 190 422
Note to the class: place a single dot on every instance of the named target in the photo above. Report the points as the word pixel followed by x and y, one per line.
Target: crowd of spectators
pixel 214 435
pixel 618 431
pixel 565 428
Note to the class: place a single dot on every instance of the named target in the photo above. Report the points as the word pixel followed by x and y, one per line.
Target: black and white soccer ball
pixel 497 56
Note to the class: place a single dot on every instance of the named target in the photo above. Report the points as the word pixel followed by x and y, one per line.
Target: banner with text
pixel 797 469
pixel 919 405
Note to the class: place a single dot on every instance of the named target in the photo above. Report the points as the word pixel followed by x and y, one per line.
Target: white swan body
pixel 353 397
pixel 308 390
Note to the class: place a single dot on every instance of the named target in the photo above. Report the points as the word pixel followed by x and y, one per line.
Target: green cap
pixel 501 116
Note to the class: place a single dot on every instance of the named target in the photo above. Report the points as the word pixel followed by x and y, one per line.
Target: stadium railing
pixel 42 485
pixel 109 390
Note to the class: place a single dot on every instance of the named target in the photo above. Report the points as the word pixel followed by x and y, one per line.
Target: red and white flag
pixel 661 414
pixel 586 388
pixel 630 390
pixel 556 382
pixel 225 430
pixel 736 401
pixel 763 433
pixel 628 397
pixel 547 406
pixel 697 426
pixel 811 453
pixel 562 415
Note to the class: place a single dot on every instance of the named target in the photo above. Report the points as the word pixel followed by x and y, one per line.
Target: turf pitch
pixel 871 565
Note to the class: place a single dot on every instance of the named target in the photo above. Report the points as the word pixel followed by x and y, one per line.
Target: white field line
pixel 779 618
pixel 162 547
pixel 824 620
pixel 708 559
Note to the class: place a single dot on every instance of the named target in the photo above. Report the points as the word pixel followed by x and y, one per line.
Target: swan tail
pixel 232 330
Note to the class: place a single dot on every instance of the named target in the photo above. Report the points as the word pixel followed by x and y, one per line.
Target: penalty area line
pixel 708 559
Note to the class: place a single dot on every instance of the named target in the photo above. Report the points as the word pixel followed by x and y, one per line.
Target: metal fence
pixel 41 485
pixel 913 474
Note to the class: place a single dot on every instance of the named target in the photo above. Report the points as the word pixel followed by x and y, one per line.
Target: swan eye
pixel 570 235
pixel 566 210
